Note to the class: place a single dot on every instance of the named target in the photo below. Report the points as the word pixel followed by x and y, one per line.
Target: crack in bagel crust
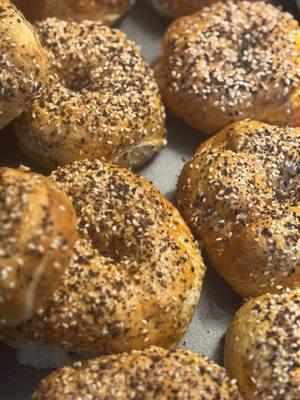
pixel 108 11
pixel 240 193
pixel 22 63
pixel 262 348
pixel 152 374
pixel 136 274
pixel 232 61
pixel 100 100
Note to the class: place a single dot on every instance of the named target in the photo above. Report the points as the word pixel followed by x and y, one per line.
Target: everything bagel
pixel 37 233
pixel 262 348
pixel 153 374
pixel 136 274
pixel 22 63
pixel 231 61
pixel 240 194
pixel 100 101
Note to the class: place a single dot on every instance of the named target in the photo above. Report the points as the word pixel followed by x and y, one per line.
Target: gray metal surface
pixel 218 302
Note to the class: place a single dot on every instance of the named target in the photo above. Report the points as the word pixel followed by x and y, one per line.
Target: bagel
pixel 155 373
pixel 136 275
pixel 37 232
pixel 100 100
pixel 232 61
pixel 262 348
pixel 22 63
pixel 108 11
pixel 240 194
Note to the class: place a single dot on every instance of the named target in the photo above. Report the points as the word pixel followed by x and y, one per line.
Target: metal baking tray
pixel 218 302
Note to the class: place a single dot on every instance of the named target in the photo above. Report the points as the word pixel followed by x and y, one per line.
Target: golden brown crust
pixel 152 374
pixel 108 11
pixel 240 193
pixel 232 61
pixel 108 107
pixel 137 272
pixel 37 233
pixel 262 348
pixel 22 63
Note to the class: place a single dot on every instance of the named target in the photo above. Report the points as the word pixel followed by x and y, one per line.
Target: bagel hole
pixel 78 81
pixel 115 246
